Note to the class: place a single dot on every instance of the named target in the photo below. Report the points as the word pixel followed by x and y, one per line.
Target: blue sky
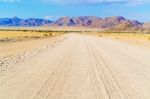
pixel 53 9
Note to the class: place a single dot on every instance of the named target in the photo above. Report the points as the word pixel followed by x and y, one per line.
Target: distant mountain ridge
pixel 97 22
pixel 117 22
pixel 146 25
pixel 15 21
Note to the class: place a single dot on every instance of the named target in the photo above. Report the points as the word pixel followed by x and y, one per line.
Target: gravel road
pixel 78 67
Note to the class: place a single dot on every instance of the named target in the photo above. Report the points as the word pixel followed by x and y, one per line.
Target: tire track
pixel 81 67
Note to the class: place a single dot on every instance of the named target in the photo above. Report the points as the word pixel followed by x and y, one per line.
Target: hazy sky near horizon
pixel 53 9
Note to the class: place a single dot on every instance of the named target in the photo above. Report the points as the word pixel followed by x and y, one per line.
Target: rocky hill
pixel 146 25
pixel 91 21
pixel 116 22
pixel 15 21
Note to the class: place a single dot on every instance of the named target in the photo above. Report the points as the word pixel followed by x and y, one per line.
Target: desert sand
pixel 75 66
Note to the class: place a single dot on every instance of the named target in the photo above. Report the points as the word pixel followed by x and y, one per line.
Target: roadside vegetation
pixel 19 35
pixel 131 36
pixel 12 34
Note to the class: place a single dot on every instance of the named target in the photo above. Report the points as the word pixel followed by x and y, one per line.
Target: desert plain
pixel 74 65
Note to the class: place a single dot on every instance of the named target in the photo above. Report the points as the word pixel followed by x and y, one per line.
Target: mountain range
pixel 117 22
pixel 15 21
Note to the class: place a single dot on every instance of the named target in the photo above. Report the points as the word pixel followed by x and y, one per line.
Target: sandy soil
pixel 79 67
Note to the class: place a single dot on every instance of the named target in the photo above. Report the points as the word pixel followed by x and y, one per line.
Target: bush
pixel 50 34
pixel 45 35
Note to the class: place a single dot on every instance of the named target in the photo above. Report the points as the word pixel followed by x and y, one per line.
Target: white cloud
pixel 10 1
pixel 84 2
pixel 51 17
pixel 138 2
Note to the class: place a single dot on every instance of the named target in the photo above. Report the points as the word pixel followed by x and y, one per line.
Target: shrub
pixel 50 34
pixel 45 35
pixel 148 38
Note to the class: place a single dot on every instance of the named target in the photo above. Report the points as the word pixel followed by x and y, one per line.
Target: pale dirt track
pixel 82 67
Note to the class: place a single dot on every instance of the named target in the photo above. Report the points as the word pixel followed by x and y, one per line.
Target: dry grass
pixel 18 34
pixel 21 33
pixel 131 36
pixel 42 32
pixel 55 29
pixel 11 36
pixel 139 39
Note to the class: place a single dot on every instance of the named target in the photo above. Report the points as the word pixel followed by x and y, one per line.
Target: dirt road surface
pixel 79 67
